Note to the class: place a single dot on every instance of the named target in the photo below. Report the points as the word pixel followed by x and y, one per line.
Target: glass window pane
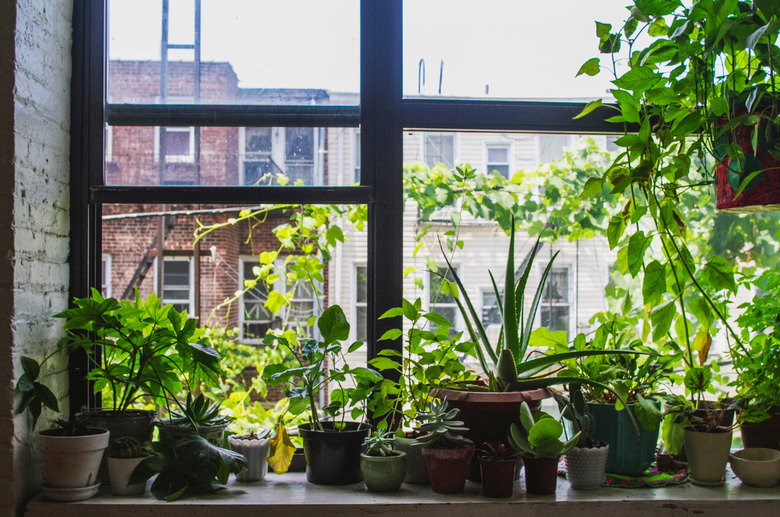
pixel 525 51
pixel 302 52
pixel 231 156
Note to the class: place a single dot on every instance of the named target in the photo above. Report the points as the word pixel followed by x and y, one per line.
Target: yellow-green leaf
pixel 281 450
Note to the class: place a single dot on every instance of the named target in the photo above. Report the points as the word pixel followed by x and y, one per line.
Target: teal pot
pixel 333 456
pixel 416 471
pixel 383 473
pixel 448 468
pixel 541 475
pixel 585 467
pixel 215 434
pixel 628 455
pixel 764 434
pixel 708 454
pixel 255 450
pixel 70 464
pixel 488 415
pixel 498 477
pixel 133 422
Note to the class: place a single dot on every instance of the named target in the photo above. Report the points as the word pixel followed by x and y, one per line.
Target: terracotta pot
pixel 383 473
pixel 447 468
pixel 488 415
pixel 708 454
pixel 764 434
pixel 585 467
pixel 498 477
pixel 541 475
pixel 664 462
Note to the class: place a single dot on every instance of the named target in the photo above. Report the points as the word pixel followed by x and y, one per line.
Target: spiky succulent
pixel 497 451
pixel 379 443
pixel 126 447
pixel 199 412
pixel 575 410
pixel 440 428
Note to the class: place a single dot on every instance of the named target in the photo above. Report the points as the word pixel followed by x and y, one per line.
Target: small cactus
pixel 126 447
pixel 575 410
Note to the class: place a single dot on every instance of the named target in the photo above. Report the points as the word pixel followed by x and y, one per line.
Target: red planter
pixel 447 468
pixel 498 477
pixel 488 415
pixel 764 434
pixel 541 475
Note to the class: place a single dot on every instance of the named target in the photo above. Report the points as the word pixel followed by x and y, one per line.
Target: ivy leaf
pixel 590 67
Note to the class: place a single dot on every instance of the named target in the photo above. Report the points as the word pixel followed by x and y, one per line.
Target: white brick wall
pixel 34 152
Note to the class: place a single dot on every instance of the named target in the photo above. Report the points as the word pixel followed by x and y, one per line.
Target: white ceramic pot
pixel 585 467
pixel 708 454
pixel 119 471
pixel 756 466
pixel 255 451
pixel 71 462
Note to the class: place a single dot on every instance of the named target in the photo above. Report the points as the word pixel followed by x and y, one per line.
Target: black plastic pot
pixel 333 456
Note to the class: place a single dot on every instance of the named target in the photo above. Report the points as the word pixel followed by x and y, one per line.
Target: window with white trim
pixel 440 300
pixel 361 302
pixel 439 148
pixel 105 276
pixel 177 283
pixel 254 318
pixel 498 159
pixel 555 307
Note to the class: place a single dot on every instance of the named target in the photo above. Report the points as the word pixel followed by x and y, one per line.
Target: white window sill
pixel 289 495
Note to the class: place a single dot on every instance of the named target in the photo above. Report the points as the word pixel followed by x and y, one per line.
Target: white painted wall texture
pixel 35 70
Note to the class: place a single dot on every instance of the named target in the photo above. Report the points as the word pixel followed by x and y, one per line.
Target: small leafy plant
pixel 322 363
pixel 543 435
pixel 380 442
pixel 440 428
pixel 497 452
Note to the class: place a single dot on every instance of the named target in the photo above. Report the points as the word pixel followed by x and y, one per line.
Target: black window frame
pixel 382 116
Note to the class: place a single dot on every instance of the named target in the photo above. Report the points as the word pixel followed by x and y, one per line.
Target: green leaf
pixel 333 325
pixel 592 187
pixel 617 225
pixel 719 273
pixel 30 367
pixel 637 245
pixel 592 105
pixel 654 283
pixel 637 80
pixel 647 413
pixel 590 67
pixel 662 318
pixel 658 7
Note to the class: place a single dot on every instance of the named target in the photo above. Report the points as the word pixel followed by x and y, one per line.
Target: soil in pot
pixel 447 468
pixel 333 456
pixel 541 475
pixel 383 473
pixel 498 477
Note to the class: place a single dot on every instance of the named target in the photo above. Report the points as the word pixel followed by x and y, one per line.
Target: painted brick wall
pixel 35 66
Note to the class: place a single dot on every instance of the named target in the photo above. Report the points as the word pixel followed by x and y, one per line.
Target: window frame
pixel 383 115
pixel 190 280
pixel 242 261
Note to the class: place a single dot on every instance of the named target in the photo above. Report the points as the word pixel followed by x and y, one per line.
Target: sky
pixel 507 48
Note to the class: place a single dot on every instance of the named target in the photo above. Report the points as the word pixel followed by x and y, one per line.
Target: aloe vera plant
pixel 514 369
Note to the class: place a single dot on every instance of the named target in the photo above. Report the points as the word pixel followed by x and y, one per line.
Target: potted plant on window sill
pixel 703 90
pixel 499 467
pixel 541 449
pixel 254 447
pixel 446 450
pixel 124 455
pixel 382 466
pixel 332 448
pixel 197 415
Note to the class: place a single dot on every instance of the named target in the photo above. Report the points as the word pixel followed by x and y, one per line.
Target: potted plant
pixel 254 447
pixel 514 375
pixel 190 465
pixel 446 450
pixel 429 361
pixel 498 466
pixel 332 448
pixel 70 459
pixel 147 350
pixel 586 462
pixel 757 367
pixel 707 428
pixel 125 453
pixel 638 378
pixel 702 90
pixel 541 448
pixel 383 468
pixel 198 415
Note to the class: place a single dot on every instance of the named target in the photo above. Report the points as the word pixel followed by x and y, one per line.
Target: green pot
pixel 628 455
pixel 383 473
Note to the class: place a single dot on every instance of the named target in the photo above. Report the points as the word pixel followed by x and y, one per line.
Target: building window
pixel 302 305
pixel 361 302
pixel 439 148
pixel 177 143
pixel 254 318
pixel 550 147
pixel 105 276
pixel 497 159
pixel 299 154
pixel 258 163
pixel 177 284
pixel 356 157
pixel 555 306
pixel 490 313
